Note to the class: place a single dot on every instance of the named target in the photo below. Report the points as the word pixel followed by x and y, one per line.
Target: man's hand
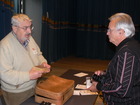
pixel 100 72
pixel 93 87
pixel 44 64
pixel 36 72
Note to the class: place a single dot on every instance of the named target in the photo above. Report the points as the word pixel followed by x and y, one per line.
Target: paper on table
pixel 88 92
pixel 79 86
pixel 81 74
pixel 84 92
pixel 76 92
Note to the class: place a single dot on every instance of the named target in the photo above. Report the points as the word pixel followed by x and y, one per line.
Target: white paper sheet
pixel 81 74
pixel 84 92
pixel 79 86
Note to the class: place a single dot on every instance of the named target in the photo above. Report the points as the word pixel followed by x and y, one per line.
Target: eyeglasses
pixel 110 30
pixel 26 27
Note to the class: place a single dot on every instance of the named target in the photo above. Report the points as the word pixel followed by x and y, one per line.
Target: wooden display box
pixel 55 90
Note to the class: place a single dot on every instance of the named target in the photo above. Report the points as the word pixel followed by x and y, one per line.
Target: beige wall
pixel 33 8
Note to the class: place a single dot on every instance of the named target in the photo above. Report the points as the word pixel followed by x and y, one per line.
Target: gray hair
pixel 124 21
pixel 19 18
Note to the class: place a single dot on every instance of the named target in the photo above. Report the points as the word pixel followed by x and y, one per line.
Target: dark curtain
pixel 58 39
pixel 6 12
pixel 78 27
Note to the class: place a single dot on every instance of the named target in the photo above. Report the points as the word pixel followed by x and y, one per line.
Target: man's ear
pixel 14 28
pixel 121 32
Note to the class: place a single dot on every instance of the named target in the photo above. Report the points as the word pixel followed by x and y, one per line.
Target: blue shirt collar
pixel 25 44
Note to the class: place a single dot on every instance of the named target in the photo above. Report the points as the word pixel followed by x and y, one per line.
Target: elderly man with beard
pixel 19 56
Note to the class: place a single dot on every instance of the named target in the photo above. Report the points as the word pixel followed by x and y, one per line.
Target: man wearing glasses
pixel 19 56
pixel 121 82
